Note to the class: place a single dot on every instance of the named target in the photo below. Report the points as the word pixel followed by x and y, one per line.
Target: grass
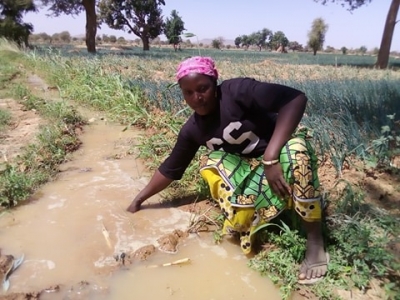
pixel 353 101
pixel 357 238
pixel 166 54
pixel 5 118
pixel 348 110
pixel 37 163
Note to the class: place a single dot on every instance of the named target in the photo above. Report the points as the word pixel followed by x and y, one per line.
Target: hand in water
pixel 134 206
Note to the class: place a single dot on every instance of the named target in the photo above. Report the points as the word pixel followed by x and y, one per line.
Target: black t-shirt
pixel 242 124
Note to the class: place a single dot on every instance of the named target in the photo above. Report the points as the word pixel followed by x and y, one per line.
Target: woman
pixel 258 165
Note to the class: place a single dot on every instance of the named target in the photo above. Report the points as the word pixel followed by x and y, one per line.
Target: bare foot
pixel 315 264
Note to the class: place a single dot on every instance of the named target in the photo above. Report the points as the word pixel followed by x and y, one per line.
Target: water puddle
pixel 61 235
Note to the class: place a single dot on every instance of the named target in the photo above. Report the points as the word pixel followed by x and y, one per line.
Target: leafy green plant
pixel 14 186
pixel 5 118
pixel 387 146
pixel 38 161
pixel 284 250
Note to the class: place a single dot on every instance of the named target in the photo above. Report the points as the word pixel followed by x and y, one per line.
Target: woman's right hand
pixel 134 206
pixel 157 183
pixel 276 181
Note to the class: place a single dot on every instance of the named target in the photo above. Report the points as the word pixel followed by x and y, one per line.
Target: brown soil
pixel 169 242
pixel 22 296
pixel 6 262
pixel 23 129
pixel 142 253
pixel 381 188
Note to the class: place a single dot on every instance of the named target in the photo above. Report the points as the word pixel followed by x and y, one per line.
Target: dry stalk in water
pixel 199 222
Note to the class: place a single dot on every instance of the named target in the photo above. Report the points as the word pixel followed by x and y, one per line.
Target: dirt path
pixel 23 129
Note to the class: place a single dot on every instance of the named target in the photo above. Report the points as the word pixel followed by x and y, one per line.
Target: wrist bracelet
pixel 270 162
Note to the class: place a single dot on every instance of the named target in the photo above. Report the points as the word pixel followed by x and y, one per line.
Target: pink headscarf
pixel 197 64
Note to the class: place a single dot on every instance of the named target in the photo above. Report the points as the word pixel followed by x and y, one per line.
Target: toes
pixel 318 273
pixel 310 273
pixel 323 270
pixel 303 270
pixel 302 276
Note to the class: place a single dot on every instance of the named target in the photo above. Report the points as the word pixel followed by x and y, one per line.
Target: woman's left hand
pixel 277 183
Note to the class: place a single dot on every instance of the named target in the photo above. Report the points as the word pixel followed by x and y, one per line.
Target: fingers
pixel 134 207
pixel 277 183
pixel 280 187
pixel 287 187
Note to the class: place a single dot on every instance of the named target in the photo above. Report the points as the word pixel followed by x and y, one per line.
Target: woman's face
pixel 199 93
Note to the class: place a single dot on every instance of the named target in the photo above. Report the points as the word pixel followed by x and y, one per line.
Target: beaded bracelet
pixel 270 162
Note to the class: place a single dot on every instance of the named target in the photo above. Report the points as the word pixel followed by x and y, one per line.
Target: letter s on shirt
pixel 228 138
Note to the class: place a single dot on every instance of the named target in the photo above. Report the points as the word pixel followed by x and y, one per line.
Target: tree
pixel 344 50
pixel 238 41
pixel 363 50
pixel 113 39
pixel 330 49
pixel 386 42
pixel 279 40
pixel 295 46
pixel 121 40
pixel 11 24
pixel 105 38
pixel 55 38
pixel 65 36
pixel 316 37
pixel 375 51
pixel 217 43
pixel 74 7
pixel 246 41
pixel 387 36
pixel 174 28
pixel 141 17
pixel 260 38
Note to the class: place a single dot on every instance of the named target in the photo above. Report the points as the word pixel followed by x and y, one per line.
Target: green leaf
pixel 385 129
pixel 391 117
pixel 171 85
pixel 189 35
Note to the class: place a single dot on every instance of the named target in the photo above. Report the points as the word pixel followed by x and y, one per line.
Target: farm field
pixel 353 111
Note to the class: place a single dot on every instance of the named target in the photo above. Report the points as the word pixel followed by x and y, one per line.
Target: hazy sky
pixel 228 18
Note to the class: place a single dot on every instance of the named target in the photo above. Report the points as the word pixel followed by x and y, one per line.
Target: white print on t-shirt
pixel 228 138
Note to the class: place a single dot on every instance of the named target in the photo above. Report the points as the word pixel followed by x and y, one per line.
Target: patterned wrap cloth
pixel 197 64
pixel 239 186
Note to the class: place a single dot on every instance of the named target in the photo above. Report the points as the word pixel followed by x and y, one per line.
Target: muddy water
pixel 60 234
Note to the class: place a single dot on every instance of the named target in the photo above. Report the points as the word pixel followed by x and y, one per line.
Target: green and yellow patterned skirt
pixel 239 186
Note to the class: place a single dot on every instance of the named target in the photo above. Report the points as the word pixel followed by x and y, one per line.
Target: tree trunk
pixel 384 50
pixel 146 43
pixel 315 52
pixel 91 24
